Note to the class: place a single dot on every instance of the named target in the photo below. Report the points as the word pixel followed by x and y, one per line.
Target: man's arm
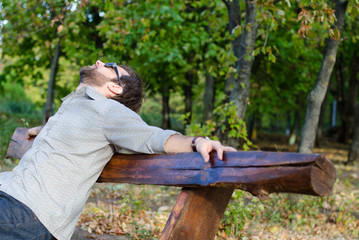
pixel 175 144
pixel 180 143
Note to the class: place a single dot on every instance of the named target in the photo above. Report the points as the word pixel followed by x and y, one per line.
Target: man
pixel 43 196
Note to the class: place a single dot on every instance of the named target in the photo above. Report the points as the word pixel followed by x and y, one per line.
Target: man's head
pixel 129 91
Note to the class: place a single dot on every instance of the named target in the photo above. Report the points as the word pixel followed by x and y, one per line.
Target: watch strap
pixel 193 144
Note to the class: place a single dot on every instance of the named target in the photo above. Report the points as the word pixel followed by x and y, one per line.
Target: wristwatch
pixel 193 144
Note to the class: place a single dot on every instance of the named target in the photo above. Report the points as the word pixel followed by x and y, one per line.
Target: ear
pixel 114 88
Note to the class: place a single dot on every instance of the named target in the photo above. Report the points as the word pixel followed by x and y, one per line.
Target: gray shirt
pixel 54 178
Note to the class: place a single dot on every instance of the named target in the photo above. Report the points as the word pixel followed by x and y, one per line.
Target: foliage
pixel 34 26
pixel 226 121
pixel 16 110
pixel 37 27
pixel 163 34
pixel 165 39
pixel 238 211
pixel 280 87
pixel 173 44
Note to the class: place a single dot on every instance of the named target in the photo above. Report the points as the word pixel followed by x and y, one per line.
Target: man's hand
pixel 33 132
pixel 205 146
pixel 180 143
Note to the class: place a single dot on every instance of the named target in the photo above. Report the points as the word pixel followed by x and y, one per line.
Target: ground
pixel 84 235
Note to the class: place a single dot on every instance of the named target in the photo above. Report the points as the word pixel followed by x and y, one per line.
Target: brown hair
pixel 132 95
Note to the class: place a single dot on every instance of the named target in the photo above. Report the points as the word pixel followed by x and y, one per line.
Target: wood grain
pixel 199 218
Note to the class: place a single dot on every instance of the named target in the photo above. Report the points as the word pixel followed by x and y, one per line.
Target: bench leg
pixel 197 213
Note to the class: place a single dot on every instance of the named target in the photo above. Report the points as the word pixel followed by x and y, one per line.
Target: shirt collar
pixel 92 93
pixel 87 90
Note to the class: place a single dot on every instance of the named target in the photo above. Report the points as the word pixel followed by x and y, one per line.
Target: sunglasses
pixel 114 66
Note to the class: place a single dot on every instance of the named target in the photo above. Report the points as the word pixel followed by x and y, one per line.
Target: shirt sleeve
pixel 125 129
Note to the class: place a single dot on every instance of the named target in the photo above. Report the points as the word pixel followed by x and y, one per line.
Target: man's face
pixel 97 74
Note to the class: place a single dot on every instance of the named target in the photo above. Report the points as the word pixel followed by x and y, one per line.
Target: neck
pixel 81 85
pixel 101 90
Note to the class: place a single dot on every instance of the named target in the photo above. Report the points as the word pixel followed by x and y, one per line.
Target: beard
pixel 90 76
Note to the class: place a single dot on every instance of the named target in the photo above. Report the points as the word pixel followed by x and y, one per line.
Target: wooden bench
pixel 208 187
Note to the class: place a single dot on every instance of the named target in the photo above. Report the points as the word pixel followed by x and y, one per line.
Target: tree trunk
pixel 234 20
pixel 187 88
pixel 210 91
pixel 353 89
pixel 51 85
pixel 251 126
pixel 342 99
pixel 244 53
pixel 333 113
pixel 349 100
pixel 166 123
pixel 295 126
pixel 243 48
pixel 354 147
pixel 316 96
pixel 208 99
pixel 352 98
pixel 274 123
pixel 293 131
pixel 323 109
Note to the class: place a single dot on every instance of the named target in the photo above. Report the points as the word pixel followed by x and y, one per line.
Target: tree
pixel 316 96
pixel 51 85
pixel 37 27
pixel 244 51
pixel 169 42
pixel 45 31
pixel 347 70
pixel 353 155
pixel 283 68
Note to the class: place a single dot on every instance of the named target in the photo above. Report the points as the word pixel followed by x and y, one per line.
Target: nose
pixel 99 63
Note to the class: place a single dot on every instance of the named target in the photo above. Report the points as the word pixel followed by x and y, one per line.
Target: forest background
pixel 268 75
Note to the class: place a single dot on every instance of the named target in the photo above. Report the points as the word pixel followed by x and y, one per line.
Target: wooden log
pixel 19 144
pixel 260 173
pixel 197 213
pixel 208 187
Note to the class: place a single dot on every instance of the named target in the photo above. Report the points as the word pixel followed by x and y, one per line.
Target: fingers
pixel 30 134
pixel 219 149
pixel 204 147
pixel 33 132
pixel 229 149
pixel 205 156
